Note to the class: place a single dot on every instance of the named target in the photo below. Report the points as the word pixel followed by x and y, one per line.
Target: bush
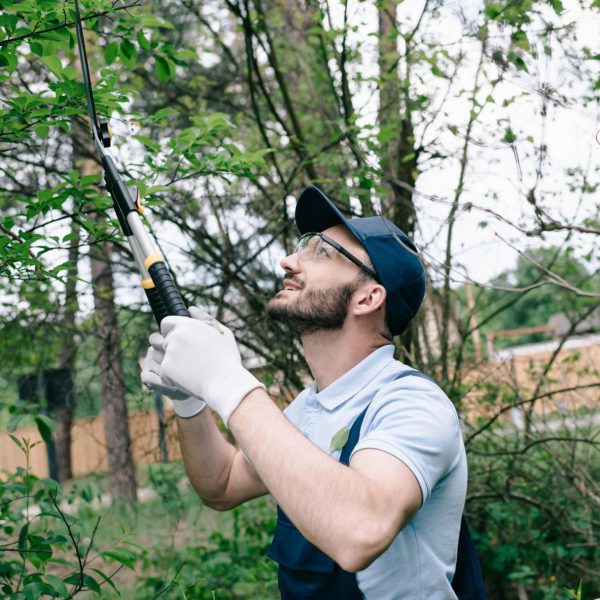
pixel 46 552
pixel 230 562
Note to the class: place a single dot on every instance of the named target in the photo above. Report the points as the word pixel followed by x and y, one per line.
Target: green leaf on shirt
pixel 338 441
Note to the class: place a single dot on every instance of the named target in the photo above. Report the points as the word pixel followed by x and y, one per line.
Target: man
pixel 367 465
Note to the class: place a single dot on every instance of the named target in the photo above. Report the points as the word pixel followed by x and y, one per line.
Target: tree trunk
pixel 398 154
pixel 116 424
pixel 64 416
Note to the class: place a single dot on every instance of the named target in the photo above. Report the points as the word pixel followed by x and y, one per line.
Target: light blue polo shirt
pixel 413 420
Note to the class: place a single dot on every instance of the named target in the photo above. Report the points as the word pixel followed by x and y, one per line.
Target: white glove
pixel 202 359
pixel 184 405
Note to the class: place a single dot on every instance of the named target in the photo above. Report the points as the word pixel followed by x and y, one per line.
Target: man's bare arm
pixel 218 471
pixel 351 513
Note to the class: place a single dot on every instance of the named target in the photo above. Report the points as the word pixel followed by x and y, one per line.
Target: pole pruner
pixel 160 289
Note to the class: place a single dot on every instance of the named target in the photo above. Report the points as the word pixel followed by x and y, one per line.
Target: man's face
pixel 318 286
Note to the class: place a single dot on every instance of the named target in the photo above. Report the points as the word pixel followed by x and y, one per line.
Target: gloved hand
pixel 184 405
pixel 202 359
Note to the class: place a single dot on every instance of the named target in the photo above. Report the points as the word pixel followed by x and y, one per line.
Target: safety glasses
pixel 316 246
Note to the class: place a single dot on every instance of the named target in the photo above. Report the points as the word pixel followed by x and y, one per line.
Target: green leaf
pixel 22 545
pixel 89 492
pixel 36 48
pixel 509 136
pixel 154 189
pixel 57 584
pixel 88 581
pixel 163 70
pixel 164 112
pixel 8 58
pixel 45 195
pixel 53 63
pixel 121 555
pixel 17 441
pixel 106 579
pixel 46 426
pixel 91 583
pixel 42 130
pixel 128 53
pixel 435 70
pixel 338 441
pixel 516 60
pixel 33 590
pixel 557 5
pixel 110 53
pixel 142 41
pixel 151 144
pixel 152 21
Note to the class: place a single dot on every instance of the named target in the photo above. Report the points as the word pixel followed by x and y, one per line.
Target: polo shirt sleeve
pixel 413 420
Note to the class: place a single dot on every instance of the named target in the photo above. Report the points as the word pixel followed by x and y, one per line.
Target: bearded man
pixel 367 465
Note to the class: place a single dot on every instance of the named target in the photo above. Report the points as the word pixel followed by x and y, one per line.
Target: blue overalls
pixel 307 573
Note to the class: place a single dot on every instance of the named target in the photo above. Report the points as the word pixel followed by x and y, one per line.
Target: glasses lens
pixel 311 246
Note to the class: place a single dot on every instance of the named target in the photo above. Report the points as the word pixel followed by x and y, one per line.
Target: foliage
pixel 184 548
pixel 46 112
pixel 537 306
pixel 222 112
pixel 528 296
pixel 46 552
pixel 225 564
pixel 532 500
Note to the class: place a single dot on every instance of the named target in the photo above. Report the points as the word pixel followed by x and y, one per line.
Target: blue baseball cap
pixel 391 251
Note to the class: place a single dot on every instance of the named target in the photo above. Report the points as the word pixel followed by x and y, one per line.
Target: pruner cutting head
pixel 104 131
pixel 101 130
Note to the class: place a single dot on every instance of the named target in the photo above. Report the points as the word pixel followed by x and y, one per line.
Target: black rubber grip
pixel 167 289
pixel 156 304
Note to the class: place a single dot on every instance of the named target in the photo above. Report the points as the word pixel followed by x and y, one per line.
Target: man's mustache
pixel 295 280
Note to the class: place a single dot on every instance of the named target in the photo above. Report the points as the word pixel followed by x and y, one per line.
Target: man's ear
pixel 368 299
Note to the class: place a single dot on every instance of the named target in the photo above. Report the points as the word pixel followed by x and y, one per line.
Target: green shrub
pixel 45 552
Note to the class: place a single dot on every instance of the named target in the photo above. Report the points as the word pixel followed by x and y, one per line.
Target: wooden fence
pixel 570 385
pixel 88 445
pixel 575 373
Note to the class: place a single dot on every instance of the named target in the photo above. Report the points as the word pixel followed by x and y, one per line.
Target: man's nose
pixel 291 263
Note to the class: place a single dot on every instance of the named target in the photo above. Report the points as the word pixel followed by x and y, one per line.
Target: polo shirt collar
pixel 354 380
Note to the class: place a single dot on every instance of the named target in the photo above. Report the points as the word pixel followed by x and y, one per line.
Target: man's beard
pixel 317 310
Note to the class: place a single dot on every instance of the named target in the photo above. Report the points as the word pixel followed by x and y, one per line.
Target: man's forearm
pixel 335 507
pixel 207 455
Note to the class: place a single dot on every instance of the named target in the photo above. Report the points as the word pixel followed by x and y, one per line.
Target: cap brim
pixel 316 212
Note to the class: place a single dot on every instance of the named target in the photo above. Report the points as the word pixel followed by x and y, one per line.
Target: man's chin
pixel 275 304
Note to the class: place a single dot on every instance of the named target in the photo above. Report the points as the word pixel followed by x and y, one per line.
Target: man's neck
pixel 330 354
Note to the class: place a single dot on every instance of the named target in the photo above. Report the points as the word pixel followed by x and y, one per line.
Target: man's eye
pixel 323 251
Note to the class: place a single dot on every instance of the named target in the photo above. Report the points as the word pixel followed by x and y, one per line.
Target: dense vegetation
pixel 463 124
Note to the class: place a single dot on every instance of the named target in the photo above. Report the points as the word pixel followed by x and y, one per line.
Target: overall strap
pixel 355 429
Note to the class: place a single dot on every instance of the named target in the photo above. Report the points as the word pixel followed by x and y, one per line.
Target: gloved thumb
pixel 200 314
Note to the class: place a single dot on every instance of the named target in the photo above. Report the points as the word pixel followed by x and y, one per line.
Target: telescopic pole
pixel 160 289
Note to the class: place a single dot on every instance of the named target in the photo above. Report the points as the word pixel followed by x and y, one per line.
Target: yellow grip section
pixel 147 284
pixel 153 258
